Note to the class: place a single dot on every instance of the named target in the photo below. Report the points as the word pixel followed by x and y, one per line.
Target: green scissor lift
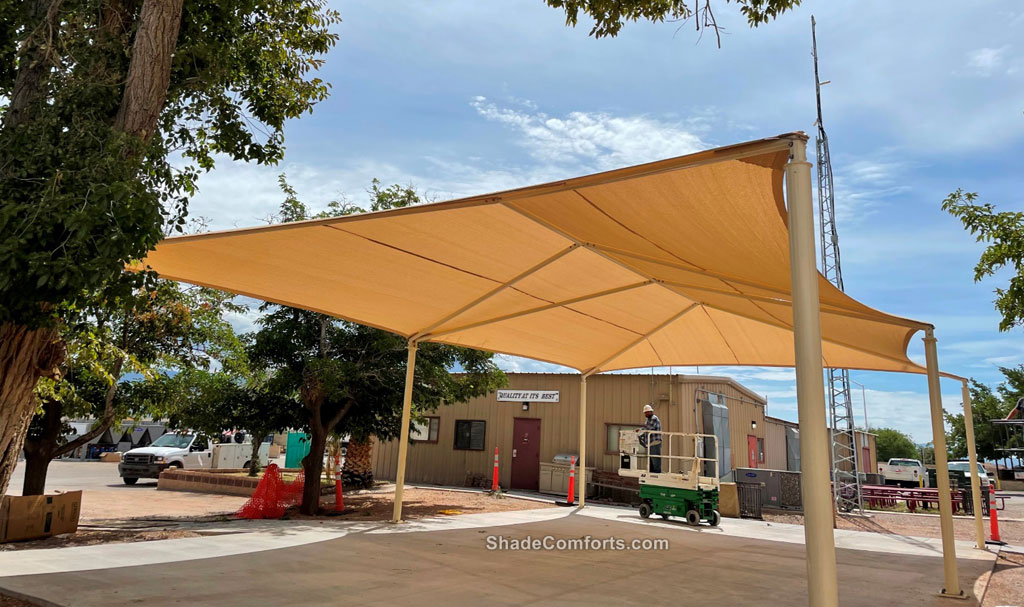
pixel 680 489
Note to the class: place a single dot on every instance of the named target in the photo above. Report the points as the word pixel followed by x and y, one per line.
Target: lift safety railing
pixel 672 443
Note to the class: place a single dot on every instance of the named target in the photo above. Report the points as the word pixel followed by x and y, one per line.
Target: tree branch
pixel 105 421
pixel 149 75
pixel 36 58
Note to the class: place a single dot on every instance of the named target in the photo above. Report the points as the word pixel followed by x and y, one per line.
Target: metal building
pixel 454 445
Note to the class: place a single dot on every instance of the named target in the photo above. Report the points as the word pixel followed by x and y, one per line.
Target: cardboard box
pixel 36 516
pixel 111 456
pixel 275 451
pixel 728 500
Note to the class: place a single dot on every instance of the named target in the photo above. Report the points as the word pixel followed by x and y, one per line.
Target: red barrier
pixel 494 480
pixel 339 500
pixel 572 481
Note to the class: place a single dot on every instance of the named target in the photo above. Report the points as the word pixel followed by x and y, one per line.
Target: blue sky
pixel 458 97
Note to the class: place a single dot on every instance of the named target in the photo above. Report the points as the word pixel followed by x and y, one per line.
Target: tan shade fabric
pixel 678 262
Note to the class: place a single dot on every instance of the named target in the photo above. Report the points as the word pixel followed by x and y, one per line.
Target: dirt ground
pixel 1006 583
pixel 419 503
pixel 144 501
pixel 912 525
pixel 89 537
pixel 7 601
pixel 375 505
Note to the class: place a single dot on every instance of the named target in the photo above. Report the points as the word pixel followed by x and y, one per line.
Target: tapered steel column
pixel 952 587
pixel 972 456
pixel 403 432
pixel 582 478
pixel 810 387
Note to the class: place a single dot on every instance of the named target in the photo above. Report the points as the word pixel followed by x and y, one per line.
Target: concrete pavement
pixel 446 561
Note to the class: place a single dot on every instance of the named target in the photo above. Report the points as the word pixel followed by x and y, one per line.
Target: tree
pixel 1004 231
pixel 116 348
pixel 350 378
pixel 890 442
pixel 215 402
pixel 610 15
pixel 96 96
pixel 986 405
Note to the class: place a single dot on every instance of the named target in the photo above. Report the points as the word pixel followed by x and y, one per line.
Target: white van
pixel 189 451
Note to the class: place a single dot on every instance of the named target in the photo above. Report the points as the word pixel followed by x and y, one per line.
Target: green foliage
pixel 610 15
pixel 890 442
pixel 1004 233
pixel 80 198
pixel 119 348
pixel 212 402
pixel 986 406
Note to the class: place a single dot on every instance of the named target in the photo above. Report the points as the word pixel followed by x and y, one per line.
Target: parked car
pixel 904 472
pixel 962 469
pixel 189 451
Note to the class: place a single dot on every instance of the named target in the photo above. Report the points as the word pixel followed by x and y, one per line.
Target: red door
pixel 865 457
pixel 526 454
pixel 752 451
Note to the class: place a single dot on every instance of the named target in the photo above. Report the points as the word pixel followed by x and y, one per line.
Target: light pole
pixel 863 399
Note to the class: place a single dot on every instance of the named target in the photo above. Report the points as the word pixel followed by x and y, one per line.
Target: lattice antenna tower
pixel 845 479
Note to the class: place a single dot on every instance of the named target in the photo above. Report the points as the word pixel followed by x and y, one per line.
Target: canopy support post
pixel 403 432
pixel 952 580
pixel 972 456
pixel 582 482
pixel 822 584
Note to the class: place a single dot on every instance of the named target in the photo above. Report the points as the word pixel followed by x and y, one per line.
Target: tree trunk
pixel 25 356
pixel 149 75
pixel 358 468
pixel 254 458
pixel 313 467
pixel 41 447
pixel 36 465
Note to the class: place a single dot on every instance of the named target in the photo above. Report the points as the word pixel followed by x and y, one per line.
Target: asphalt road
pixel 72 475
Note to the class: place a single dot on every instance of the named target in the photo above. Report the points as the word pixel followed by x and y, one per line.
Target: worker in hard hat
pixel 652 438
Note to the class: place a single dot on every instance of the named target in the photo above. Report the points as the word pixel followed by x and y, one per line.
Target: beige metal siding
pixel 775 445
pixel 611 398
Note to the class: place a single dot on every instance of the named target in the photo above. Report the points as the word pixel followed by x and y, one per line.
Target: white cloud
pixel 596 139
pixel 518 364
pixel 864 184
pixel 986 61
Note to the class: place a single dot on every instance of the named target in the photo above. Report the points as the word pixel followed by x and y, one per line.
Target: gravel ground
pixel 912 525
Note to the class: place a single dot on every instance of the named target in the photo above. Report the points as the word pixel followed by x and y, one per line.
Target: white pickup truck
pixel 904 473
pixel 188 451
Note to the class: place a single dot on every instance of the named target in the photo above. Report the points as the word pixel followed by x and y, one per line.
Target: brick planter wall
pixel 224 481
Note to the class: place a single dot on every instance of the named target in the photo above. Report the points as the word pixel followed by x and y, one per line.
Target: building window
pixel 425 431
pixel 469 434
pixel 612 436
pixel 760 450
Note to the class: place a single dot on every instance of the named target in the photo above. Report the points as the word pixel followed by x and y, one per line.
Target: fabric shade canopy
pixel 678 262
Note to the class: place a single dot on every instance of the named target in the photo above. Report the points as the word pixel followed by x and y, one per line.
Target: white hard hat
pixel 648 408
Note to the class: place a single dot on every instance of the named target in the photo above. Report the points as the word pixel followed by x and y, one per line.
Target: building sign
pixel 528 396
